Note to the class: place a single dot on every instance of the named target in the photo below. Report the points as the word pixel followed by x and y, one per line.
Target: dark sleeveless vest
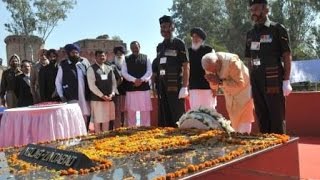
pixel 105 86
pixel 69 80
pixel 137 67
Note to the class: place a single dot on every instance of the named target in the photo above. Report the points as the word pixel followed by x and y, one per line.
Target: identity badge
pixel 162 72
pixel 163 60
pixel 170 52
pixel 265 38
pixel 104 76
pixel 255 46
pixel 256 62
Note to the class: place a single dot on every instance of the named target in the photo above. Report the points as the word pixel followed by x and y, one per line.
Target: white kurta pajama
pixel 101 111
pixel 138 100
pixel 202 98
pixel 81 72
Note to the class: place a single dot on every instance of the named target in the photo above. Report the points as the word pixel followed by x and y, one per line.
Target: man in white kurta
pixel 103 86
pixel 71 79
pixel 137 71
pixel 229 72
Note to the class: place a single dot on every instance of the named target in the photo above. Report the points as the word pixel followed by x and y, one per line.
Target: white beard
pixel 119 61
pixel 196 46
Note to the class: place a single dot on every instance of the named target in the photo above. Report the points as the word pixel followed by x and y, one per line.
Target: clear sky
pixel 131 20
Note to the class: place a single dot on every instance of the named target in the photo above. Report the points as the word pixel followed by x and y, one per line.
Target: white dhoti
pixel 102 111
pixel 244 127
pixel 138 101
pixel 202 98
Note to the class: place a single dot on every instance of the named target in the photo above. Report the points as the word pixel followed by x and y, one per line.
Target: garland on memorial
pixel 122 142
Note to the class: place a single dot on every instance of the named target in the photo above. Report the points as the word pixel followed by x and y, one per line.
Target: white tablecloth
pixel 20 126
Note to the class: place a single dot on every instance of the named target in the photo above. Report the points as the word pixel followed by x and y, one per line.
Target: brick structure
pixel 18 45
pixel 89 46
pixel 24 47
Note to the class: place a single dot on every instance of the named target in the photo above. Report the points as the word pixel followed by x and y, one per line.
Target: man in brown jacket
pixel 8 83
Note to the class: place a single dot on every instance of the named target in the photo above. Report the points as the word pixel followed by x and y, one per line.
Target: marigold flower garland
pixel 123 142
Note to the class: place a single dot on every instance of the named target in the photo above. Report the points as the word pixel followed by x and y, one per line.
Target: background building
pixel 89 46
pixel 25 47
pixel 28 48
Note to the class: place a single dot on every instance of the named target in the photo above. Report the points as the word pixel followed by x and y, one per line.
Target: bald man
pixel 227 71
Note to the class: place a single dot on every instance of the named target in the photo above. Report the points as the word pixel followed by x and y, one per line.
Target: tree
pixel 48 14
pixel 315 44
pixel 299 18
pixel 36 17
pixel 116 38
pixel 104 36
pixel 188 14
pixel 24 21
pixel 227 21
pixel 238 23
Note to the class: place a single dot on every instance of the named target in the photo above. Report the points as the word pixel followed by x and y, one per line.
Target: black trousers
pixel 269 108
pixel 170 109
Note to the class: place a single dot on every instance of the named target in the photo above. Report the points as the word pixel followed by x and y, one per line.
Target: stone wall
pixel 89 46
pixel 28 48
pixel 24 47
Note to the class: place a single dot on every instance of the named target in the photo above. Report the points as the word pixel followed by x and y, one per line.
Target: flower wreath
pixel 203 118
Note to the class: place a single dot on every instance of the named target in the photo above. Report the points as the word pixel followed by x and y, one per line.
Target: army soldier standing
pixel 267 46
pixel 171 69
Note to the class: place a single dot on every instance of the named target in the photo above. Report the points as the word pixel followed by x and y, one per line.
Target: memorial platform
pixel 280 162
pixel 157 153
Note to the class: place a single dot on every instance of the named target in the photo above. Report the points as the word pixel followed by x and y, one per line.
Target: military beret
pixel 70 47
pixel 165 19
pixel 252 2
pixel 199 31
pixel 118 48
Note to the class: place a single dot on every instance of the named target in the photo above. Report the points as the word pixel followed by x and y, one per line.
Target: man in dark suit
pixel 8 82
pixel 47 78
pixel 22 89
